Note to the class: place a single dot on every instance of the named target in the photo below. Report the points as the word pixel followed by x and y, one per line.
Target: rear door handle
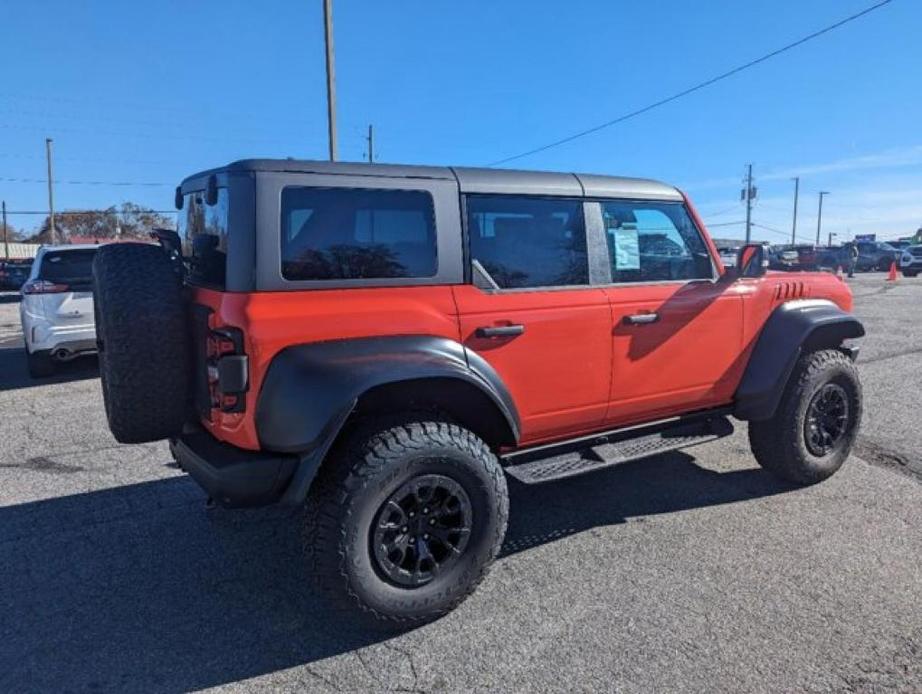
pixel 499 331
pixel 641 318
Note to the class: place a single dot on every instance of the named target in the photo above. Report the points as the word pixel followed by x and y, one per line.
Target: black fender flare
pixel 310 390
pixel 793 328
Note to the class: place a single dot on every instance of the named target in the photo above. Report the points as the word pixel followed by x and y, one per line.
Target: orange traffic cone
pixel 892 276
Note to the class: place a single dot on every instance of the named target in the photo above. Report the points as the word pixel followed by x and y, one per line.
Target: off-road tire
pixel 142 338
pixel 345 501
pixel 40 364
pixel 780 444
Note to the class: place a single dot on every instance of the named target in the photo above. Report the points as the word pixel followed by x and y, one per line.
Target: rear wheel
pixel 142 338
pixel 404 521
pixel 816 423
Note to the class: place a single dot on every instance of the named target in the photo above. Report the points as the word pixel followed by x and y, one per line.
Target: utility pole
pixel 748 194
pixel 794 224
pixel 331 76
pixel 54 232
pixel 819 216
pixel 6 236
pixel 371 144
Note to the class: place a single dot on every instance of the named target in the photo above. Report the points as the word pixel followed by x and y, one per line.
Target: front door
pixel 677 329
pixel 532 314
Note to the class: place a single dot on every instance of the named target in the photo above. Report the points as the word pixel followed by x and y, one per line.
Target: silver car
pixel 57 307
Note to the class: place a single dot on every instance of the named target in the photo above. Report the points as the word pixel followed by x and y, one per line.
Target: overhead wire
pixel 697 87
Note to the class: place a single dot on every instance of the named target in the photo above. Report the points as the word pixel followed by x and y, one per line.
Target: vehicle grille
pixel 917 252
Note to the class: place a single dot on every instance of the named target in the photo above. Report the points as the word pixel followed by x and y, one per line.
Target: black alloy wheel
pixel 827 419
pixel 421 530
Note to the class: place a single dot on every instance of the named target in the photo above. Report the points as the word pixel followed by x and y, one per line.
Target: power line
pixel 695 88
pixel 84 183
pixel 726 224
pixel 60 213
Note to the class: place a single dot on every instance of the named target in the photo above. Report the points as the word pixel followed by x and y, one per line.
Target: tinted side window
pixel 528 242
pixel 654 241
pixel 202 230
pixel 343 233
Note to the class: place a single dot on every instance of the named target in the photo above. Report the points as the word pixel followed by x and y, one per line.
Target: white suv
pixel 911 261
pixel 57 307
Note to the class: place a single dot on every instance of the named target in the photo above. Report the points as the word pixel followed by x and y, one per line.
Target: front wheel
pixel 910 273
pixel 816 422
pixel 404 521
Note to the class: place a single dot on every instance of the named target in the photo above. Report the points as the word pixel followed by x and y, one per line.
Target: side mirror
pixel 752 260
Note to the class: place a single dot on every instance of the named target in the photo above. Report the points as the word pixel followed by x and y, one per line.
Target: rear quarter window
pixel 71 267
pixel 202 231
pixel 351 233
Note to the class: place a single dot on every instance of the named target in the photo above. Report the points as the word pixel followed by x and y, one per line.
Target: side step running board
pixel 638 444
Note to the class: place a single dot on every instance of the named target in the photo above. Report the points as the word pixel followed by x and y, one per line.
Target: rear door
pixel 71 270
pixel 532 314
pixel 677 329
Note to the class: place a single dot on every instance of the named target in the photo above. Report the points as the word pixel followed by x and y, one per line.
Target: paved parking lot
pixel 692 571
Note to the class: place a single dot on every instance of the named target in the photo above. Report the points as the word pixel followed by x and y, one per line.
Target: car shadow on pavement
pixel 667 483
pixel 14 373
pixel 141 588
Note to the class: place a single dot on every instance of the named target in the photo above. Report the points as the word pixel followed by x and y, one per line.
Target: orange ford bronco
pixel 385 344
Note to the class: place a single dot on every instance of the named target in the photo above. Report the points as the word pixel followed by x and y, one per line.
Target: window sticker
pixel 627 247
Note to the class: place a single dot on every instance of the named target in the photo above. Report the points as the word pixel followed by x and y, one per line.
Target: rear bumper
pixel 41 335
pixel 232 476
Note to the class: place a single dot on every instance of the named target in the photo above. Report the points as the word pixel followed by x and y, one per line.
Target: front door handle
pixel 641 318
pixel 499 331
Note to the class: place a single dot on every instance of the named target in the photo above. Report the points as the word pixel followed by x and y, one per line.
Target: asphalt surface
pixel 688 572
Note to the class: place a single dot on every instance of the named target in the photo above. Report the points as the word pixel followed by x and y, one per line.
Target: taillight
pixel 44 287
pixel 228 370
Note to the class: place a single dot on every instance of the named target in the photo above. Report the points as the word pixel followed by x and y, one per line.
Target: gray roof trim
pixel 521 182
pixel 470 180
pixel 633 188
pixel 329 167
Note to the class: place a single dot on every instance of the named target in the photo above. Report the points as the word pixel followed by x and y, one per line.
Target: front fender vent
pixel 790 290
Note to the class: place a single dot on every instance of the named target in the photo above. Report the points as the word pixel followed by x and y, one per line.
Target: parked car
pixel 875 255
pixel 833 257
pixel 796 257
pixel 911 261
pixel 728 255
pixel 14 273
pixel 57 307
pixel 386 343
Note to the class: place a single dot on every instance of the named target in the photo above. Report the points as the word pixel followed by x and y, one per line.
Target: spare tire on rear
pixel 142 336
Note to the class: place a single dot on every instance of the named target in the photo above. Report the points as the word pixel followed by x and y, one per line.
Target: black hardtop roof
pixel 470 180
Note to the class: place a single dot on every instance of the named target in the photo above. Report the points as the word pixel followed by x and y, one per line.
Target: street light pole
pixel 794 224
pixel 819 216
pixel 331 76
pixel 54 233
pixel 748 195
pixel 6 235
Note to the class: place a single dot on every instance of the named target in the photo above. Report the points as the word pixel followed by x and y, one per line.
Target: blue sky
pixel 149 92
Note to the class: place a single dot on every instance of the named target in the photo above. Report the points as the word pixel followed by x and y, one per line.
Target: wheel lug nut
pixel 425 536
pixel 412 513
pixel 403 529
pixel 432 521
pixel 426 509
